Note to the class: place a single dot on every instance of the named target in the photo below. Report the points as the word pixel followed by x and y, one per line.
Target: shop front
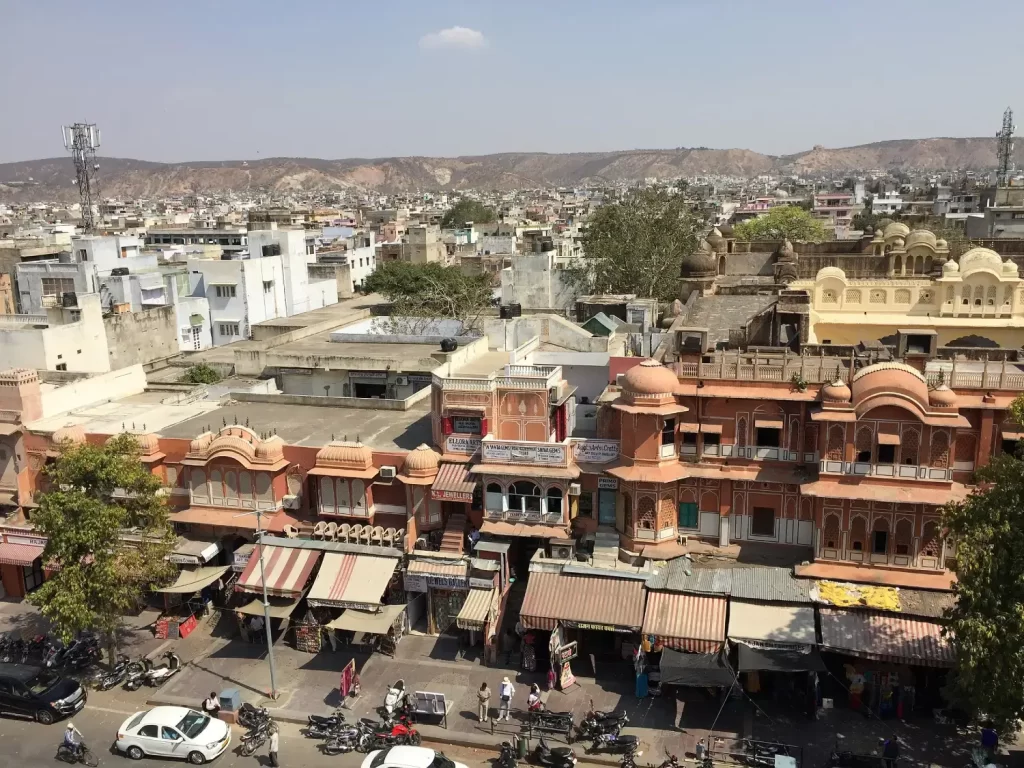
pixel 187 600
pixel 889 663
pixel 454 488
pixel 601 614
pixel 445 580
pixel 286 572
pixel 776 654
pixel 21 564
pixel 685 638
pixel 350 582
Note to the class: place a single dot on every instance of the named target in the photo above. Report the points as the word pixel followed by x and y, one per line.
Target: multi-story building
pixel 836 209
pixel 887 203
pixel 240 293
pixel 230 239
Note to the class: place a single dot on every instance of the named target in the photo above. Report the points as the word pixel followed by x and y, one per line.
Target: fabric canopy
pixel 771 623
pixel 694 623
pixel 194 552
pixel 195 579
pixel 474 612
pixel 704 670
pixel 886 637
pixel 379 623
pixel 453 483
pixel 280 607
pixel 19 554
pixel 778 660
pixel 286 569
pixel 352 581
pixel 586 602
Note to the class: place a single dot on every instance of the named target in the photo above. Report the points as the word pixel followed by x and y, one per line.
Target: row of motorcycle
pixel 365 735
pixel 49 652
pixel 258 726
pixel 602 729
pixel 142 671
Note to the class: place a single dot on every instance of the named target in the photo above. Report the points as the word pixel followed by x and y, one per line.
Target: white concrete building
pixel 889 203
pixel 240 293
pixel 302 292
pixel 62 339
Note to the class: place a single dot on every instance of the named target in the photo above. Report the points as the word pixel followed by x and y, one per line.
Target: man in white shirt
pixel 505 693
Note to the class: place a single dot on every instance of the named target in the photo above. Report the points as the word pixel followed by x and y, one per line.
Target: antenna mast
pixel 1004 149
pixel 82 140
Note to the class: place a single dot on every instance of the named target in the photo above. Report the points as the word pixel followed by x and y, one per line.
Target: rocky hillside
pixel 53 179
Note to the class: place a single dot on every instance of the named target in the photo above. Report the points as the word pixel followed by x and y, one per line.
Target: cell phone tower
pixel 82 140
pixel 1004 148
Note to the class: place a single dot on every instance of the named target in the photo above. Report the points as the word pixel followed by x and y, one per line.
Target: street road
pixel 26 744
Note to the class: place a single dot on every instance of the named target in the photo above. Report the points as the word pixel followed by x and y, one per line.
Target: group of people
pixel 534 702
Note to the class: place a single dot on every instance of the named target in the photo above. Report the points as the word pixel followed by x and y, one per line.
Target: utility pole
pixel 82 140
pixel 266 602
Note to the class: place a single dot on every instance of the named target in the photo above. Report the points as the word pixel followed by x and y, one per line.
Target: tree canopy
pixel 636 245
pixel 467 209
pixel 431 290
pixel 783 222
pixel 986 623
pixel 201 373
pixel 93 494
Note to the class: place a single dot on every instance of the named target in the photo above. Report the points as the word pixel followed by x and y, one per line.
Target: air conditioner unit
pixel 562 551
pixel 291 501
pixel 388 473
pixel 574 489
pixel 402 381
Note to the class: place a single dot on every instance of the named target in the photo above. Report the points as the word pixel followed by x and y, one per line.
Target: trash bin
pixel 230 700
pixel 521 745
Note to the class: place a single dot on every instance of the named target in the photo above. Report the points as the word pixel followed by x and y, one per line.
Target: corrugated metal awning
pixel 352 581
pixel 587 602
pixel 437 568
pixel 453 483
pixel 473 614
pixel 760 623
pixel 286 570
pixel 693 623
pixel 19 554
pixel 886 637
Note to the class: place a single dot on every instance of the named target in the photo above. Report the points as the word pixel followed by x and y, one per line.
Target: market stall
pixel 187 600
pixel 380 630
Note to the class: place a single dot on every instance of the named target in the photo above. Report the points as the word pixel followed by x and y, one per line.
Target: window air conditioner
pixel 574 489
pixel 402 381
pixel 388 473
pixel 562 551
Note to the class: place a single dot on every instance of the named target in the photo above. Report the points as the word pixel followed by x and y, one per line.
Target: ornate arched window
pixel 647 516
pixel 554 498
pixel 858 534
pixel 904 536
pixel 830 535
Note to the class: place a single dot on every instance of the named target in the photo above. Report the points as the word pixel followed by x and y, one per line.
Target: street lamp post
pixel 266 602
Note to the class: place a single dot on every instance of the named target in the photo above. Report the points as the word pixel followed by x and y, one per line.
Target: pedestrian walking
pixel 533 701
pixel 505 694
pixel 699 751
pixel 551 678
pixel 274 739
pixel 484 698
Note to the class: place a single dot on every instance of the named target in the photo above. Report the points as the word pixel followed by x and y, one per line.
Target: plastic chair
pixel 377 535
pixel 331 532
pixel 343 531
pixel 400 540
pixel 291 531
pixel 364 535
pixel 389 537
pixel 318 530
pixel 354 532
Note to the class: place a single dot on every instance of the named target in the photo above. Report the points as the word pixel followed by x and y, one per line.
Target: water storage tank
pixel 449 345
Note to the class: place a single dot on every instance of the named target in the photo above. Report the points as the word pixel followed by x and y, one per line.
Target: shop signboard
pixel 607 484
pixel 567 652
pixel 597 627
pixel 367 374
pixel 595 451
pixel 469 425
pixel 240 559
pixel 415 582
pixel 32 541
pixel 565 677
pixel 524 453
pixel 443 581
pixel 184 559
pixel 463 445
pixel 479 583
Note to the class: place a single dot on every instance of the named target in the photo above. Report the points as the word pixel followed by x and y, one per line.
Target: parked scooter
pixel 559 757
pixel 116 675
pixel 157 676
pixel 507 756
pixel 136 673
pixel 395 701
pixel 614 743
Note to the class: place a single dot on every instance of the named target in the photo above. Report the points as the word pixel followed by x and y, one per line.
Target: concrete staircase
pixel 606 548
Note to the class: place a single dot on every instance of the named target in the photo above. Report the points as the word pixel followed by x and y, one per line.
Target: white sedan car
pixel 408 757
pixel 173 732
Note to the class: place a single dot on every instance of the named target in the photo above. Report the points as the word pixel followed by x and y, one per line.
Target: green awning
pixel 280 607
pixel 195 579
pixel 364 621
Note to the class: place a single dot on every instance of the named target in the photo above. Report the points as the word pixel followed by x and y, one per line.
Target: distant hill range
pixel 53 179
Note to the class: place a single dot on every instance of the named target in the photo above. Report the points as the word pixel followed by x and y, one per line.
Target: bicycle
pixel 73 756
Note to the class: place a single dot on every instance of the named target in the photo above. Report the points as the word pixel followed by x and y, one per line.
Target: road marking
pixel 113 711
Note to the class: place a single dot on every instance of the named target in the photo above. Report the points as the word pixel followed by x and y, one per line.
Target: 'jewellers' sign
pixel 595 451
pixel 524 453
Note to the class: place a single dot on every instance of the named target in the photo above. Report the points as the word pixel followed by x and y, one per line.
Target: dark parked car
pixel 38 693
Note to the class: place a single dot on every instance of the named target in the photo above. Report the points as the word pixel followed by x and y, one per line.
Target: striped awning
pixel 586 602
pixel 474 612
pixel 889 637
pixel 438 568
pixel 352 581
pixel 287 570
pixel 692 623
pixel 19 554
pixel 453 483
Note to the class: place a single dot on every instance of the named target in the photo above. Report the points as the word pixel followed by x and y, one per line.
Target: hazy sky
pixel 232 79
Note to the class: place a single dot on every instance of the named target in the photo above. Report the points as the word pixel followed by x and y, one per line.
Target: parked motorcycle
pixel 329 721
pixel 399 733
pixel 342 741
pixel 332 731
pixel 559 757
pixel 614 743
pixel 629 759
pixel 596 724
pixel 250 716
pixel 507 756
pixel 759 754
pixel 551 721
pixel 157 676
pixel 257 736
pixel 670 762
pixel 136 673
pixel 116 675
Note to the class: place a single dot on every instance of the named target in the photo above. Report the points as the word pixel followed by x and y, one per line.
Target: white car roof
pixel 165 715
pixel 410 757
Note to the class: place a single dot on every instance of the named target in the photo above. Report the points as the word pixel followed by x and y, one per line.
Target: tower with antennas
pixel 1004 149
pixel 82 140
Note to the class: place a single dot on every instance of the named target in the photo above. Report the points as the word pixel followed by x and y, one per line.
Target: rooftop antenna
pixel 1004 148
pixel 82 140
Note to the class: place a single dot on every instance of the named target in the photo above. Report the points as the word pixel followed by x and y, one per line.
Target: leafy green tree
pixel 465 210
pixel 201 373
pixel 636 245
pixel 94 494
pixel 431 290
pixel 986 623
pixel 865 221
pixel 783 222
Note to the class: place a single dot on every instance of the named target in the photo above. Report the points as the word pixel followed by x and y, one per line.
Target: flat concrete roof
pixel 490 362
pixel 140 414
pixel 401 357
pixel 313 425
